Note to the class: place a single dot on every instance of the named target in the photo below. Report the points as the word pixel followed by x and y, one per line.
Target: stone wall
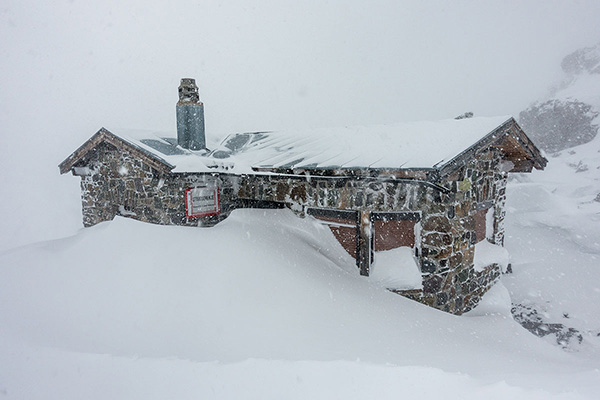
pixel 448 225
pixel 450 282
pixel 360 194
pixel 115 183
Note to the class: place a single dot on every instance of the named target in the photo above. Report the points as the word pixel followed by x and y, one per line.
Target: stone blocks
pixel 120 184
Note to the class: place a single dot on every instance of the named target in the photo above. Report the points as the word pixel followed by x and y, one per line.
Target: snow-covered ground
pixel 272 308
pixel 553 224
pixel 553 236
pixel 267 305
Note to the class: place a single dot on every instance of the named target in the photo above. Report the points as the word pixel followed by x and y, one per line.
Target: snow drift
pixel 264 303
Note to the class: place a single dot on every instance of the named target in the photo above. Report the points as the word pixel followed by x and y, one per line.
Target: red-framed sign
pixel 202 201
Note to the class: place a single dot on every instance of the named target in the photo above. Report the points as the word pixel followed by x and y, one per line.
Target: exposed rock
pixel 564 120
pixel 559 124
pixel 468 114
pixel 583 60
pixel 529 319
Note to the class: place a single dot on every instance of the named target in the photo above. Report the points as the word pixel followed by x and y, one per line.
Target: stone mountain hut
pixel 428 195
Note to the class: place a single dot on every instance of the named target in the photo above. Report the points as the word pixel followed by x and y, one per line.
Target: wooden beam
pixel 104 135
pixel 365 244
pixel 522 165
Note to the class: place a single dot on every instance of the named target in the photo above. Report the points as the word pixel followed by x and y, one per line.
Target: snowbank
pixel 53 374
pixel 266 300
pixel 487 254
pixel 396 269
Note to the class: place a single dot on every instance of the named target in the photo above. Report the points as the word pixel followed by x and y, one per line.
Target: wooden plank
pixel 103 135
pixel 344 226
pixel 522 165
pixel 395 216
pixel 365 251
pixel 392 234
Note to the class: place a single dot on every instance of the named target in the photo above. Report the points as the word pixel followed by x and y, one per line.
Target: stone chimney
pixel 190 117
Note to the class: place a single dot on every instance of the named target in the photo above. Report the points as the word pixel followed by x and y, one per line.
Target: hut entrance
pixel 387 230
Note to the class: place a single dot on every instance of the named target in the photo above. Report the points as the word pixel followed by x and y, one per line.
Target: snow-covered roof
pixel 159 149
pixel 164 145
pixel 405 146
pixel 412 145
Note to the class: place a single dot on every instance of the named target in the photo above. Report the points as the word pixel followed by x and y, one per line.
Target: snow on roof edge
pixel 421 145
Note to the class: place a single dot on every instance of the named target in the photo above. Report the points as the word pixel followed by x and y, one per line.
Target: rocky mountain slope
pixel 553 218
pixel 570 116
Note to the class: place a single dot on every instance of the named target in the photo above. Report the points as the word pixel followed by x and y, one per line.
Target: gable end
pixel 514 144
pixel 104 135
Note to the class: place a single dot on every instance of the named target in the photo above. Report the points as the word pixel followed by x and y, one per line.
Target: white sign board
pixel 202 201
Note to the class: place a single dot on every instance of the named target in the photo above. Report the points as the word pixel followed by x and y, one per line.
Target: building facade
pixel 373 197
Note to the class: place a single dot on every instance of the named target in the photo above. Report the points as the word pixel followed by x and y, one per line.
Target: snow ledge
pixel 487 254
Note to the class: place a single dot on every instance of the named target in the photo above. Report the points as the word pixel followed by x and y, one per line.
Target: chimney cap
pixel 188 91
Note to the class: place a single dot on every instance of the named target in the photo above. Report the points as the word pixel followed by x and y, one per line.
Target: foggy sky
pixel 69 67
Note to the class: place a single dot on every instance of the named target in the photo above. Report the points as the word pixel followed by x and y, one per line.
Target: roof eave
pixel 529 155
pixel 536 158
pixel 414 173
pixel 104 135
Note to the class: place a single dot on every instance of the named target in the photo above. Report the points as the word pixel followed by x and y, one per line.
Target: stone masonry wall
pixel 370 194
pixel 119 184
pixel 450 282
pixel 115 183
pixel 448 233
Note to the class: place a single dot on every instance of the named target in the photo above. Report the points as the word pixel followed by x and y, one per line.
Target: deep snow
pixel 263 305
pixel 553 228
pixel 113 312
pixel 553 236
pixel 267 305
